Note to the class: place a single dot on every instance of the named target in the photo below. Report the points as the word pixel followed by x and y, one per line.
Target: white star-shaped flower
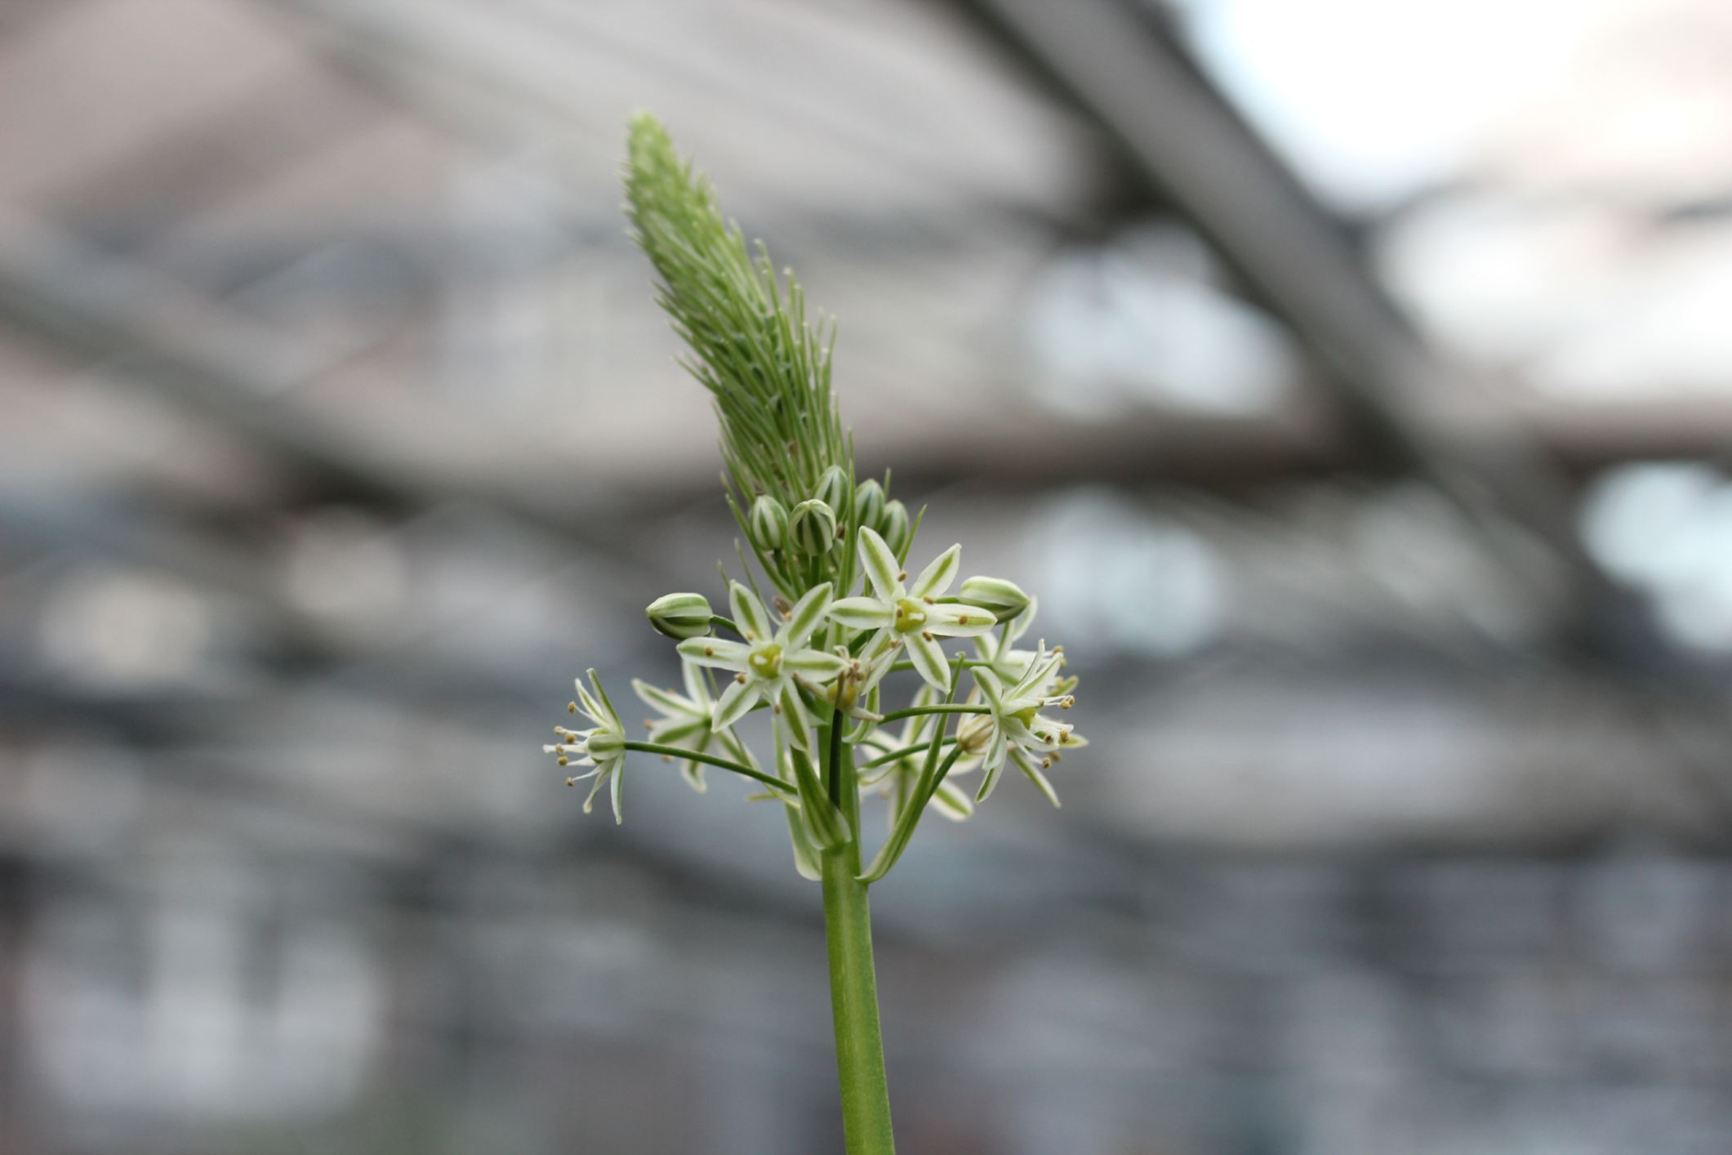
pixel 1015 730
pixel 911 614
pixel 602 747
pixel 767 663
pixel 687 720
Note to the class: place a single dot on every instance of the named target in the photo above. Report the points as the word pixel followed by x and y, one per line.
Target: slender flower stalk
pixel 826 656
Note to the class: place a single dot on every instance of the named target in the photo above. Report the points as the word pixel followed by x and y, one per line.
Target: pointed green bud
pixel 767 526
pixel 1004 599
pixel 868 503
pixel 833 488
pixel 812 528
pixel 680 616
pixel 893 528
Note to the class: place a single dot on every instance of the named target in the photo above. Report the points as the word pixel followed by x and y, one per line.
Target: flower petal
pixel 678 731
pixel 717 652
pixel 738 698
pixel 697 686
pixel 587 703
pixel 814 665
pixel 861 613
pixel 995 749
pixel 606 702
pixel 666 701
pixel 1028 767
pixel 693 773
pixel 794 715
pixel 914 730
pixel 953 620
pixel 880 565
pixel 952 801
pixel 589 799
pixel 936 578
pixel 989 783
pixel 990 688
pixel 749 613
pixel 806 616
pixel 618 782
pixel 928 659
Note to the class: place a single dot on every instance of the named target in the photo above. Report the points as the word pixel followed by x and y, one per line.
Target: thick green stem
pixel 853 983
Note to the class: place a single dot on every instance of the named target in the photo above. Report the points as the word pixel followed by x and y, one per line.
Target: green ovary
pixel 766 661
pixel 910 616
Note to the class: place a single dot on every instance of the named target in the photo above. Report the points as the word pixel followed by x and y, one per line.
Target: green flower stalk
pixel 846 627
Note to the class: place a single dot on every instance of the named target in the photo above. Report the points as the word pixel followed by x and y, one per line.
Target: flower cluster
pixel 822 666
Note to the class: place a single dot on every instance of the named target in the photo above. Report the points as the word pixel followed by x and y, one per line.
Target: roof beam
pixel 1114 64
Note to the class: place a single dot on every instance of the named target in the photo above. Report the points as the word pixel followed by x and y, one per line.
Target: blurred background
pixel 1382 351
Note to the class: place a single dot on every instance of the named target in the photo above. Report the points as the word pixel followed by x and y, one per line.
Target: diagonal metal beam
pixel 1115 64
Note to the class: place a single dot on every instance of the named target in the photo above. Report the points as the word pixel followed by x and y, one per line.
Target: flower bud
pixel 1004 599
pixel 680 616
pixel 767 525
pixel 812 528
pixel 833 488
pixel 868 503
pixel 893 527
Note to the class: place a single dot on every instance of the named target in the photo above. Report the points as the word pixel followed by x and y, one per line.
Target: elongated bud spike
pixel 1004 599
pixel 868 503
pixel 680 616
pixel 812 528
pixel 767 526
pixel 893 527
pixel 833 488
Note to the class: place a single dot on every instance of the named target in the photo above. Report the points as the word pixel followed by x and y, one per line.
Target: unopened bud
pixel 680 616
pixel 812 528
pixel 868 503
pixel 833 488
pixel 1004 599
pixel 893 527
pixel 767 525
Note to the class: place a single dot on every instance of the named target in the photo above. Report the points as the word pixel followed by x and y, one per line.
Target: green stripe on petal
pixel 749 613
pixel 928 659
pixel 806 616
pixel 936 578
pixel 880 565
pixel 717 652
pixel 794 714
pixel 734 703
pixel 861 613
pixel 959 621
pixel 659 699
pixel 814 665
pixel 1027 766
